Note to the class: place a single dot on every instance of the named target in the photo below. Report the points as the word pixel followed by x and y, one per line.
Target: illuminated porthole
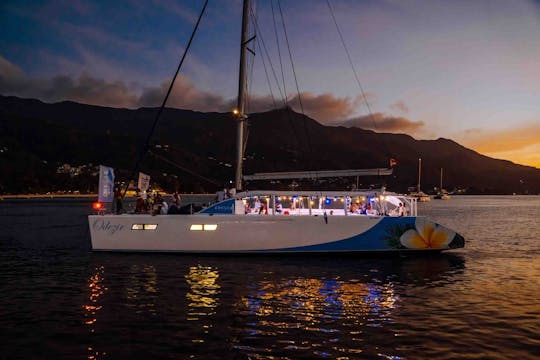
pixel 203 227
pixel 144 227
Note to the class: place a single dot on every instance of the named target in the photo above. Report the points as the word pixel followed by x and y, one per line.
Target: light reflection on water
pixel 203 298
pixel 96 289
pixel 330 310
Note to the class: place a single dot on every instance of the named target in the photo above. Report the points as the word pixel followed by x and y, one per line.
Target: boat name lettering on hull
pixel 106 226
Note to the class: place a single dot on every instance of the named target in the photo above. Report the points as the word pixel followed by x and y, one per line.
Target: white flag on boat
pixel 106 184
pixel 144 182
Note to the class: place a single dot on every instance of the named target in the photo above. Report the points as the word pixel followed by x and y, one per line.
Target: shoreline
pixel 77 196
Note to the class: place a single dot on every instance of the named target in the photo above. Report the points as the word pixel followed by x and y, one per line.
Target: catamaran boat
pixel 280 221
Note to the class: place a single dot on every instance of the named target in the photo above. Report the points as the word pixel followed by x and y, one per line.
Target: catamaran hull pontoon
pixel 200 233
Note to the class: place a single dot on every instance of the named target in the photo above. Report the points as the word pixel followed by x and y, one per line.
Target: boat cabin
pixel 316 203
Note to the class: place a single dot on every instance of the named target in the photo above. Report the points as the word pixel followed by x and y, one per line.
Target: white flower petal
pixel 424 227
pixel 411 239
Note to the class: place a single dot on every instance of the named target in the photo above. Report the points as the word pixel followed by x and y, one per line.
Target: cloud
pixel 400 107
pixel 11 75
pixel 173 7
pixel 326 107
pixel 84 89
pixel 184 95
pixel 384 122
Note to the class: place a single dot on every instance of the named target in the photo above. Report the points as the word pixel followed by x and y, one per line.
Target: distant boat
pixel 419 194
pixel 268 221
pixel 442 194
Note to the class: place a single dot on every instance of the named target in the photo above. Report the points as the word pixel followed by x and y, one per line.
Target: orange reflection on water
pixel 312 301
pixel 365 299
pixel 96 290
pixel 203 291
pixel 202 297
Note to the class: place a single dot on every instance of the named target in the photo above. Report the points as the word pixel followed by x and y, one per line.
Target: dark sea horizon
pixel 61 300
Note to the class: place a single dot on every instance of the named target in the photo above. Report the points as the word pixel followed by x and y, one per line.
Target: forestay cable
pixel 158 115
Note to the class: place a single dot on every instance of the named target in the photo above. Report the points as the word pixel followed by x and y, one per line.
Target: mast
pixel 419 172
pixel 241 105
pixel 440 188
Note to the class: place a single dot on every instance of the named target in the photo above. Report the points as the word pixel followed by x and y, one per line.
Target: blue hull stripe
pixel 372 240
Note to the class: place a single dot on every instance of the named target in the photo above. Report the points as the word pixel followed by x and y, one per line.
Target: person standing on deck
pixel 118 201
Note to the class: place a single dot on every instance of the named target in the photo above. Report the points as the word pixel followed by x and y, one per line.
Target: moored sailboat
pixel 442 194
pixel 418 193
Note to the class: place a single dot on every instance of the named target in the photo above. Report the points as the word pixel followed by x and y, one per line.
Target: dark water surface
pixel 60 300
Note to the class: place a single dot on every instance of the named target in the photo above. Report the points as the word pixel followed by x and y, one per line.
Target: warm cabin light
pixel 144 227
pixel 342 200
pixel 235 112
pixel 97 206
pixel 203 227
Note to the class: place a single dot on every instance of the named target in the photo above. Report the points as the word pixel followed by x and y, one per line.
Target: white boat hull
pixel 266 234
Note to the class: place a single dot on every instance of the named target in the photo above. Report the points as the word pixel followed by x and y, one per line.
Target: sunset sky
pixel 464 70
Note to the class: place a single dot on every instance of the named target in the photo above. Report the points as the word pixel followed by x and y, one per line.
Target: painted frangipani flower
pixel 427 235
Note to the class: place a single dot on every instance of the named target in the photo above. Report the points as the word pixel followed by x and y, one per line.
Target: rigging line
pixel 248 103
pixel 251 65
pixel 295 78
pixel 285 105
pixel 355 74
pixel 259 48
pixel 158 115
pixel 261 38
pixel 258 30
pixel 290 56
pixel 279 50
pixel 267 77
pixel 214 182
pixel 283 98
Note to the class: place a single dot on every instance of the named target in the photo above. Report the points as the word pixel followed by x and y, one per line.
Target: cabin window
pixel 203 227
pixel 144 227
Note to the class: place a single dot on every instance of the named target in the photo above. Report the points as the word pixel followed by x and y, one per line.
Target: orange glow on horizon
pixel 520 145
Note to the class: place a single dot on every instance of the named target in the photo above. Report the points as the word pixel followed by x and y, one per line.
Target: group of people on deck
pixel 258 207
pixel 156 205
pixel 226 193
pixel 363 209
pixel 369 209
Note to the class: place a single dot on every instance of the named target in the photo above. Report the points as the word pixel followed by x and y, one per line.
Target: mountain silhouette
pixel 195 151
